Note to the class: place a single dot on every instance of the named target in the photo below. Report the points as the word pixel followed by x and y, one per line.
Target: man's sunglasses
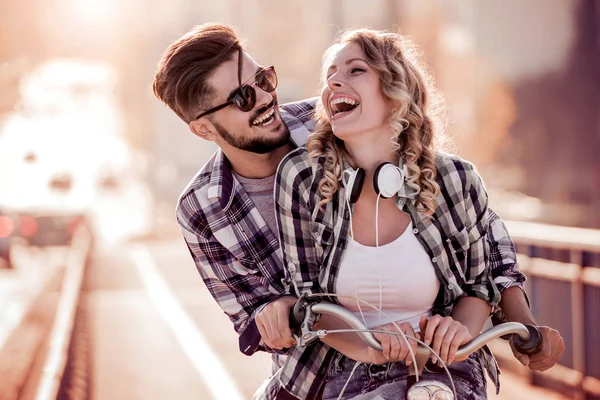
pixel 244 97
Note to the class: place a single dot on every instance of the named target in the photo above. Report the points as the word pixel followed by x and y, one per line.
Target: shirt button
pixel 449 287
pixel 434 259
pixel 415 231
pixel 448 240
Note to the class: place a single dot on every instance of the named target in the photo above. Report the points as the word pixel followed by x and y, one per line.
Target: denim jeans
pixel 388 381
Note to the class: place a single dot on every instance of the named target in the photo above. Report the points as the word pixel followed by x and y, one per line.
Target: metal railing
pixel 60 369
pixel 563 269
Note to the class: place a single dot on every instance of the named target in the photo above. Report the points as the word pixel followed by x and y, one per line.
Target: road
pixel 156 333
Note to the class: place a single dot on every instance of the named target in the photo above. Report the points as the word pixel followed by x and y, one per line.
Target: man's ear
pixel 203 128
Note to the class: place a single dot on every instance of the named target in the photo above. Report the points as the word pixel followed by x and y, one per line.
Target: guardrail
pixel 61 335
pixel 563 269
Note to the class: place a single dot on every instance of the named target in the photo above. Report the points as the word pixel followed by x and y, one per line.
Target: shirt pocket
pixel 322 235
pixel 457 246
pixel 253 254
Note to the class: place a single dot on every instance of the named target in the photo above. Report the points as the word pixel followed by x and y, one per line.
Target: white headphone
pixel 387 181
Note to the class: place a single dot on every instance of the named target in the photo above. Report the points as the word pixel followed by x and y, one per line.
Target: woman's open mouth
pixel 342 106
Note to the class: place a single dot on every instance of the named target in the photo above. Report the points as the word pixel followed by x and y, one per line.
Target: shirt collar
pixel 406 192
pixel 221 180
pixel 298 130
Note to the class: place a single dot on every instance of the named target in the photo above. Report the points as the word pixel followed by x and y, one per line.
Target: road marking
pixel 214 374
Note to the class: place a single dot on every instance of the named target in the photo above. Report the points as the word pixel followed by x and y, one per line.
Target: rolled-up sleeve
pixel 503 256
pixel 479 280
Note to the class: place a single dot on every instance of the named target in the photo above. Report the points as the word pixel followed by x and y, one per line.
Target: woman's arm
pixel 472 309
pixel 472 312
pixel 477 271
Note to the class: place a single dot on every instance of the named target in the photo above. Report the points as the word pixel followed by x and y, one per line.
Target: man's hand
pixel 553 347
pixel 273 323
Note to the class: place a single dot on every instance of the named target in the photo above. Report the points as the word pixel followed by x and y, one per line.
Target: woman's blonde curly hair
pixel 416 119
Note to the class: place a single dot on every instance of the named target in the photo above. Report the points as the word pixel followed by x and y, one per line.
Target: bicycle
pixel 308 308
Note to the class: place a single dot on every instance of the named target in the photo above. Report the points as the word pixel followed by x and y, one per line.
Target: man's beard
pixel 254 145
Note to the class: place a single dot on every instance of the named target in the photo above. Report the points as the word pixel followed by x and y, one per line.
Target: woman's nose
pixel 334 82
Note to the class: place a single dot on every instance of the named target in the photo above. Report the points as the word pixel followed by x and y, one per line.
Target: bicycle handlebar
pixel 527 339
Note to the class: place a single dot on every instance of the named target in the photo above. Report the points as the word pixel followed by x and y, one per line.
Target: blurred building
pixel 520 78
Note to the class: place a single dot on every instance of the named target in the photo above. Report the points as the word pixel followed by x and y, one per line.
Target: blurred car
pixel 55 151
pixel 40 200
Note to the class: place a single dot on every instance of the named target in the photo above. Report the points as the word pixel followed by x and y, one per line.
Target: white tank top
pixel 408 281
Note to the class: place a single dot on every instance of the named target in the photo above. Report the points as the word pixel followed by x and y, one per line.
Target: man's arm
pixel 514 304
pixel 515 308
pixel 240 292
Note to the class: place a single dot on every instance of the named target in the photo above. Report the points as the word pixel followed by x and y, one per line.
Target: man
pixel 226 213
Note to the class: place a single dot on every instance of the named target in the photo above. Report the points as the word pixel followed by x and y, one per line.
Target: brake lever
pixel 307 334
pixel 302 320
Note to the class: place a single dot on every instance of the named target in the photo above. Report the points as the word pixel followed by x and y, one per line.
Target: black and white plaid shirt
pixel 239 258
pixel 313 240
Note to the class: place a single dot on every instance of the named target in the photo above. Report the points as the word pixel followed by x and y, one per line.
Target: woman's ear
pixel 204 128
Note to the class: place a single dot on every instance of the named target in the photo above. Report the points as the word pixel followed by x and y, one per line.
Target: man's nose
pixel 263 97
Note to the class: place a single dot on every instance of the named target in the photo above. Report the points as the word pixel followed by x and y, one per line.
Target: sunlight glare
pixel 95 9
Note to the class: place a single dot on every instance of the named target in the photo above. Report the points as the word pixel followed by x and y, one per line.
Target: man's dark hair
pixel 181 79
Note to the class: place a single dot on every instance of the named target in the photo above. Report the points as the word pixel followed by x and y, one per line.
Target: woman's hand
pixel 394 346
pixel 446 334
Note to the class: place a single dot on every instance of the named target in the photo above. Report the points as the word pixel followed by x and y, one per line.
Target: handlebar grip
pixel 531 346
pixel 297 314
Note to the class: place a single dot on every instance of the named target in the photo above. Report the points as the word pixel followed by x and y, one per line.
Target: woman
pixel 420 254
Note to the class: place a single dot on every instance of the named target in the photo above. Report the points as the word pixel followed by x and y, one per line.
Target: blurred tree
pixel 17 46
pixel 495 115
pixel 10 78
pixel 557 131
